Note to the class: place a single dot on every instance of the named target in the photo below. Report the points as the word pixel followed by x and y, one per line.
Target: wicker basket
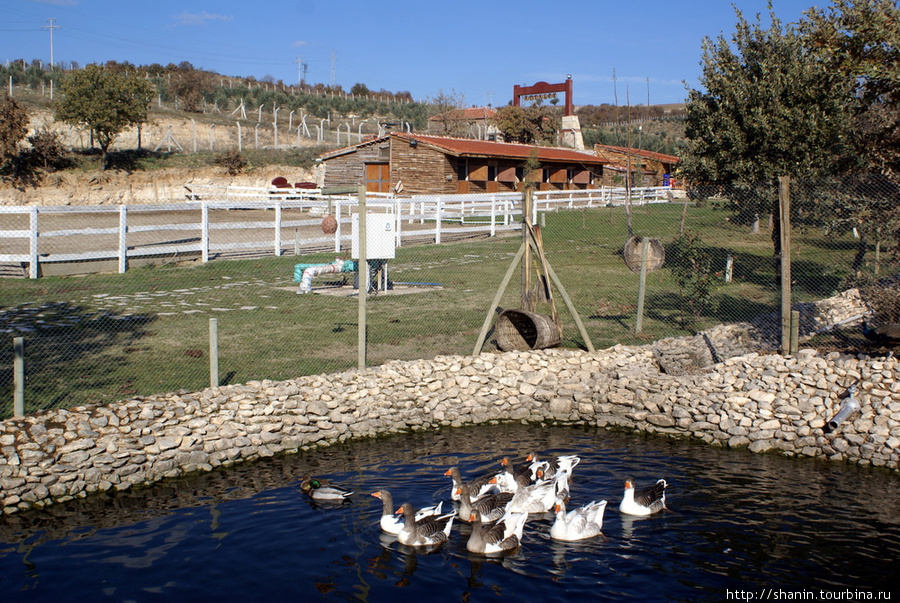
pixel 517 330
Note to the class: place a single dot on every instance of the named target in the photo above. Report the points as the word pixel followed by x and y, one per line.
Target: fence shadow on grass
pixel 72 354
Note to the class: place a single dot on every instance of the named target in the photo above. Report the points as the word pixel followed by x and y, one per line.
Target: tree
pixel 769 107
pixel 861 39
pixel 104 102
pixel 13 128
pixel 446 112
pixel 528 125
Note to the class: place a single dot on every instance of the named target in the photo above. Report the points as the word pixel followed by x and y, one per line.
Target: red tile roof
pixel 466 147
pixel 661 157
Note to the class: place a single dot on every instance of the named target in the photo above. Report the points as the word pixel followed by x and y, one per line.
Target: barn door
pixel 378 177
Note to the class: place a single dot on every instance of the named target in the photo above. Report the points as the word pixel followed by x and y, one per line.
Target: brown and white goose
pixel 476 487
pixel 645 501
pixel 491 538
pixel 578 524
pixel 489 507
pixel 391 523
pixel 427 531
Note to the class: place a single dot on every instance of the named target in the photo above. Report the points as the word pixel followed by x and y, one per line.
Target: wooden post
pixel 642 285
pixel 363 269
pixel 526 259
pixel 213 352
pixel 19 377
pixel 784 206
pixel 729 267
pixel 490 315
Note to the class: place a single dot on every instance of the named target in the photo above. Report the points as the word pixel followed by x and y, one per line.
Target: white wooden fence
pixel 218 221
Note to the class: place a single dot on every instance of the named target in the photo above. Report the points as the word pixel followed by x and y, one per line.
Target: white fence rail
pixel 218 221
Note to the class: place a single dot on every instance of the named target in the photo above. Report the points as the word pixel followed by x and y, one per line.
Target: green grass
pixel 147 331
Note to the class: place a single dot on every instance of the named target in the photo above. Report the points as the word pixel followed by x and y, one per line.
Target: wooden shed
pixel 653 166
pixel 421 164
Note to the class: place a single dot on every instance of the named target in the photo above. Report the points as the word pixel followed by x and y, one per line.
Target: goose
pixel 577 524
pixel 645 501
pixel 323 490
pixel 431 530
pixel 565 462
pixel 491 538
pixel 391 523
pixel 489 507
pixel 536 498
pixel 510 480
pixel 476 487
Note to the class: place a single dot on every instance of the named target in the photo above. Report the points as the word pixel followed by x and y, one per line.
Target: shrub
pixel 233 162
pixel 691 264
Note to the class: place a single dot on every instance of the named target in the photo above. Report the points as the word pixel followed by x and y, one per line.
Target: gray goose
pixel 427 531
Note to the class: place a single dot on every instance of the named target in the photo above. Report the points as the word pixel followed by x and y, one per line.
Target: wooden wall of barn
pixel 422 169
pixel 350 169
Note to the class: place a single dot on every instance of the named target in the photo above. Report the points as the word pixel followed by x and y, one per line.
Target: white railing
pixel 206 225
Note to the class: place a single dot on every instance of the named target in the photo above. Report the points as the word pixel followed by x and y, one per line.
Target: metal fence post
pixel 33 269
pixel 19 377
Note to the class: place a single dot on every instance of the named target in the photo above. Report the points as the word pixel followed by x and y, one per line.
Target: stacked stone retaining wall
pixel 762 402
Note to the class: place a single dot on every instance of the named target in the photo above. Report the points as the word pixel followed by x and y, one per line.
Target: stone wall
pixel 763 402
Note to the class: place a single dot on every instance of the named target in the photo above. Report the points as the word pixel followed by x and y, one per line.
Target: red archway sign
pixel 545 90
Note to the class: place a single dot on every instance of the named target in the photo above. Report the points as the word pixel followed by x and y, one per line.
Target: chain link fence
pixel 211 307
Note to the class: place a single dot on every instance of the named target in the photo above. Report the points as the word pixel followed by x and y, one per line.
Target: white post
pixel 437 222
pixel 123 244
pixel 240 138
pixel 204 232
pixel 33 243
pixel 278 227
pixel 493 215
pixel 337 233
pixel 194 133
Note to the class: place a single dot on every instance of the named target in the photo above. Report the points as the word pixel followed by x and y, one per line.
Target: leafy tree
pixel 691 263
pixel 536 124
pixel 13 128
pixel 359 89
pixel 769 107
pixel 104 102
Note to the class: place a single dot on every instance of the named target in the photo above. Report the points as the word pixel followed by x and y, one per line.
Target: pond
pixel 736 522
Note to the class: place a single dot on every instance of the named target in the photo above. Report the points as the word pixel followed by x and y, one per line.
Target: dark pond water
pixel 737 522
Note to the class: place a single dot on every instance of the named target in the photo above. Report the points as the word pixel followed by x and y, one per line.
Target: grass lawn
pixel 104 337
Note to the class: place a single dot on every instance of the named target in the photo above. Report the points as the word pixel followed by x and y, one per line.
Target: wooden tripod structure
pixel 532 242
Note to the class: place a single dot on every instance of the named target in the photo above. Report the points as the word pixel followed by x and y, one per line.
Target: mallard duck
pixel 476 487
pixel 489 507
pixel 431 530
pixel 391 523
pixel 491 538
pixel 577 524
pixel 323 490
pixel 645 501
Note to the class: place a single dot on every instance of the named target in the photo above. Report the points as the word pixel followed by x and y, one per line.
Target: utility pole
pixel 51 27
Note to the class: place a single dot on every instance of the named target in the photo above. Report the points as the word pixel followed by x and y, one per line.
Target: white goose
pixel 427 531
pixel 538 497
pixel 391 523
pixel 645 501
pixel 577 524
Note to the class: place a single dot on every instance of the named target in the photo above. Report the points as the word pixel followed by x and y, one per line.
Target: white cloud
pixel 201 18
pixel 299 43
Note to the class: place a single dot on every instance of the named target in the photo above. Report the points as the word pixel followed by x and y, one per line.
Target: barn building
pixel 421 164
pixel 655 169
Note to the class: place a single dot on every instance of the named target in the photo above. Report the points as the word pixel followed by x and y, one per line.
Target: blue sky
pixel 479 49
